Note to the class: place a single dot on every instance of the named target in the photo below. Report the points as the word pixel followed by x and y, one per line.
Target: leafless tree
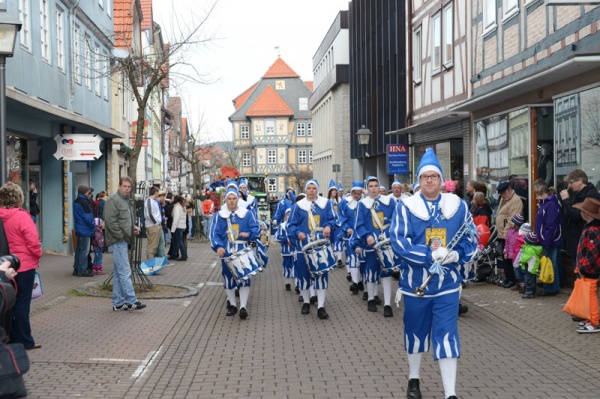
pixel 299 176
pixel 590 121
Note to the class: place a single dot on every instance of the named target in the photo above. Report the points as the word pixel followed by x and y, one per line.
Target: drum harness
pixel 378 224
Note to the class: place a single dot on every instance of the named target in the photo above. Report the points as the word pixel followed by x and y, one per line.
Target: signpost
pixel 397 159
pixel 78 147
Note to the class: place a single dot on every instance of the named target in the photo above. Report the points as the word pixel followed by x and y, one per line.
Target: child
pixel 530 263
pixel 518 253
pixel 286 251
pixel 588 259
pixel 509 247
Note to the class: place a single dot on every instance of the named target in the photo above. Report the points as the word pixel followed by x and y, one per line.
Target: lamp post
pixel 10 24
pixel 364 135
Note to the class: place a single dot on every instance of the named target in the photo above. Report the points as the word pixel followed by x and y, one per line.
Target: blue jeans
pixel 554 255
pixel 21 329
pixel 123 291
pixel 207 223
pixel 97 256
pixel 81 254
pixel 178 246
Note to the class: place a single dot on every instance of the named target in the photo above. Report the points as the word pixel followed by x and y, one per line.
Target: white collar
pixel 225 213
pixel 368 201
pixel 352 203
pixel 449 204
pixel 306 205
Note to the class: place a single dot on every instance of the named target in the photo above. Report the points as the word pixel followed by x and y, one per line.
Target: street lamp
pixel 10 24
pixel 364 135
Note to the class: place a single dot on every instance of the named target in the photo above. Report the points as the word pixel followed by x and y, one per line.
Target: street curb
pixel 86 287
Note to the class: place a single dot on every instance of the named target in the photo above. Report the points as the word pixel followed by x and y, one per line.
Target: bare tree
pixel 590 121
pixel 299 176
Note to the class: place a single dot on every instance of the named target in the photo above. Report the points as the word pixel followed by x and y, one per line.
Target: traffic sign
pixel 78 147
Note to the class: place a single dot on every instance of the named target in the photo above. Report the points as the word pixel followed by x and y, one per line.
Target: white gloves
pixel 441 253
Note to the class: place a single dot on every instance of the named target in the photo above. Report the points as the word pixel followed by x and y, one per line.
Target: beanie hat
pixel 525 228
pixel 311 181
pixel 396 183
pixel 429 163
pixel 372 178
pixel 232 191
pixel 357 185
pixel 518 219
pixel 232 183
pixel 531 238
pixel 243 182
pixel 332 185
pixel 340 188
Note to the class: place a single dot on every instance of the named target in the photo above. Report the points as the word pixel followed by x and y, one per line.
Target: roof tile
pixel 269 103
pixel 280 69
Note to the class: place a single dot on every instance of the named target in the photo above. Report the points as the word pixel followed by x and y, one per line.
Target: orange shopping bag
pixel 579 302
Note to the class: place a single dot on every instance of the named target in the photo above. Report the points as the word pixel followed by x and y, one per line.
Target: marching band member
pixel 311 219
pixel 372 225
pixel 423 225
pixel 252 203
pixel 231 230
pixel 347 215
pixel 241 203
pixel 332 195
pixel 287 251
pixel 397 194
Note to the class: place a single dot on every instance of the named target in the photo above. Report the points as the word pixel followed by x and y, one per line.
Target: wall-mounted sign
pixel 78 147
pixel 397 159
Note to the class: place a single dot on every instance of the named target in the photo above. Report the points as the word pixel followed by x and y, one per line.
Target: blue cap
pixel 340 188
pixel 332 185
pixel 429 163
pixel 232 191
pixel 357 185
pixel 372 178
pixel 311 181
pixel 396 182
pixel 232 183
pixel 243 182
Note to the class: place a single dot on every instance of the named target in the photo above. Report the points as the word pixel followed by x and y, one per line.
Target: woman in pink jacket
pixel 24 242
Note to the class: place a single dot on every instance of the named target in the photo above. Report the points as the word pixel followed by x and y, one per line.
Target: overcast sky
pixel 247 33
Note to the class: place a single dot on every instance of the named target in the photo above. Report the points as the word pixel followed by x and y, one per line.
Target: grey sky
pixel 248 32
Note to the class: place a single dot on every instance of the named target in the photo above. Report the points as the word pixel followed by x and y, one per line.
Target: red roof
pixel 280 69
pixel 310 84
pixel 239 100
pixel 147 14
pixel 123 23
pixel 269 104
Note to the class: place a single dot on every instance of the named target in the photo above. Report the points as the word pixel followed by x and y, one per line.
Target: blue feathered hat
pixel 311 181
pixel 429 163
pixel 357 185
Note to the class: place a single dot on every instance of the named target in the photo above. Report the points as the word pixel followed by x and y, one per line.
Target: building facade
pixel 330 106
pixel 273 129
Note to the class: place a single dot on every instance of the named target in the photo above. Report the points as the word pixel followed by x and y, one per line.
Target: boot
pixel 372 306
pixel 354 288
pixel 414 390
pixel 99 271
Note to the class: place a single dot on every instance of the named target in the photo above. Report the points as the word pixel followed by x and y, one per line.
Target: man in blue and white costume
pixel 332 195
pixel 422 227
pixel 284 203
pixel 287 252
pixel 311 219
pixel 347 214
pixel 372 226
pixel 231 230
pixel 232 184
pixel 251 202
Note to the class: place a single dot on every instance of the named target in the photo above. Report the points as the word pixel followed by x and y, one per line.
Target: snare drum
pixel 388 261
pixel 319 257
pixel 243 264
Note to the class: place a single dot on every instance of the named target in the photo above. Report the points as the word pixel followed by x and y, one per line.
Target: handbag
pixel 37 286
pixel 579 302
pixel 14 363
pixel 546 270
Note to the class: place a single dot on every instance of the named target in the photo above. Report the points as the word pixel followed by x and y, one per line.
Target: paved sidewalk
pixel 187 348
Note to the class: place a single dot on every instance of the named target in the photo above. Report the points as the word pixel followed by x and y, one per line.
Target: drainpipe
pixel 71 76
pixel 409 71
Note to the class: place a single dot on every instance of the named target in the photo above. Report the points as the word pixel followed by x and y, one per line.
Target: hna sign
pixel 397 148
pixel 397 159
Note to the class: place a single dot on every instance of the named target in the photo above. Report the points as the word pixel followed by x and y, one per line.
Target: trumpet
pixel 437 268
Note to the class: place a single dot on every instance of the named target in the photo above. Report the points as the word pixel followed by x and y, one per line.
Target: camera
pixel 14 261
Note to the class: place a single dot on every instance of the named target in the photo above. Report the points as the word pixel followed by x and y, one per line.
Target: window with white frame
pixel 310 159
pixel 106 73
pixel 101 3
pixel 416 61
pixel 246 159
pixel 301 156
pixel 245 132
pixel 303 104
pixel 309 129
pixel 272 184
pixel 436 42
pixel 271 156
pixel 25 17
pixel 76 54
pixel 45 29
pixel 60 38
pixel 87 62
pixel 489 15
pixel 448 35
pixel 301 129
pixel 509 8
pixel 270 126
pixel 109 7
pixel 97 69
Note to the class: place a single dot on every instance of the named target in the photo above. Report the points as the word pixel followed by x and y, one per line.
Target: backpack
pixel 546 270
pixel 98 237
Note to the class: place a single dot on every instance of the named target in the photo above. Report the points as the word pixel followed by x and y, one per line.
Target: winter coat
pixel 530 260
pixel 482 215
pixel 588 251
pixel 511 240
pixel 548 222
pixel 83 216
pixel 118 220
pixel 506 210
pixel 22 237
pixel 573 223
pixel 179 218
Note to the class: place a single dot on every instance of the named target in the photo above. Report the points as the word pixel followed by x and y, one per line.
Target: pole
pixel 3 160
pixel 364 164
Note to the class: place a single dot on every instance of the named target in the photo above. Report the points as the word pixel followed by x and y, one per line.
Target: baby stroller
pixel 486 266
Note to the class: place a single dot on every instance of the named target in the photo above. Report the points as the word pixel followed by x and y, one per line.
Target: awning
pixel 564 71
pixel 441 121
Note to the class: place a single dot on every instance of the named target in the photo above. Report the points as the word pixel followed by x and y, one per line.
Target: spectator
pixel 178 228
pixel 530 263
pixel 473 187
pixel 481 210
pixel 168 207
pixel 34 209
pixel 8 297
pixel 208 210
pixel 510 204
pixel 578 190
pixel 101 198
pixel 120 231
pixel 24 243
pixel 153 223
pixel 512 237
pixel 83 217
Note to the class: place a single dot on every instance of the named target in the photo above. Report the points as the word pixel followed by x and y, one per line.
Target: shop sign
pixel 397 159
pixel 78 147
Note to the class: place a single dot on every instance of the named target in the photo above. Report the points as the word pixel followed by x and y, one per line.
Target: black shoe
pixel 300 299
pixel 372 306
pixel 413 391
pixel 387 311
pixel 136 306
pixel 288 287
pixel 231 311
pixel 377 300
pixel 462 309
pixel 181 259
pixel 237 292
pixel 243 313
pixel 348 277
pixel 361 286
pixel 365 296
pixel 297 290
pixel 339 264
pixel 354 288
pixel 313 300
pixel 74 272
pixel 228 304
pixel 528 296
pixel 87 274
pixel 305 308
pixel 452 397
pixel 322 314
pixel 548 293
pixel 509 284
